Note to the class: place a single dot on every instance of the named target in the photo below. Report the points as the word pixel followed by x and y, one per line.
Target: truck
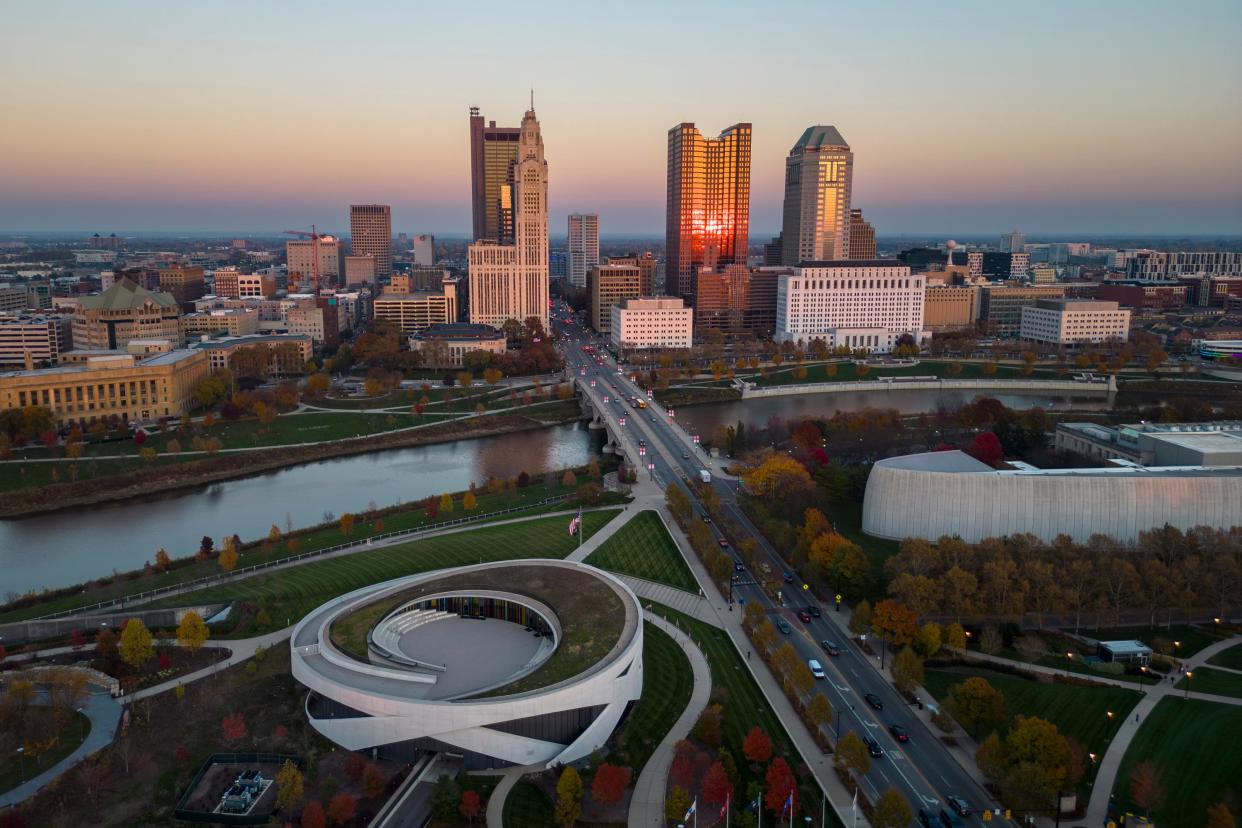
pixel 705 475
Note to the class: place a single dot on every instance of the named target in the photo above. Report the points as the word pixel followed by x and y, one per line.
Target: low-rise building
pixel 606 285
pixel 1143 295
pixel 287 353
pixel 34 340
pixel 1000 306
pixel 663 322
pixel 107 385
pixel 185 282
pixel 230 321
pixel 948 307
pixel 412 312
pixel 445 346
pixel 1072 322
pixel 360 270
pixel 316 317
pixel 1208 444
pixel 861 305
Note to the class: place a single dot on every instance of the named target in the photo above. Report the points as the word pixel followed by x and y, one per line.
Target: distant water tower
pixel 951 245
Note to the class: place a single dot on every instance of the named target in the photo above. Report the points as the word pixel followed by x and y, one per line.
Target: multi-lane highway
pixel 920 768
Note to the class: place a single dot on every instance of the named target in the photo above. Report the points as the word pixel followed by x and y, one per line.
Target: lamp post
pixel 1069 657
pixel 1189 673
pixel 1143 676
pixel 1092 757
pixel 21 758
pixel 81 724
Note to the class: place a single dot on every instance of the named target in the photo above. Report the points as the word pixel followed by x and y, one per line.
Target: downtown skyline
pixel 963 121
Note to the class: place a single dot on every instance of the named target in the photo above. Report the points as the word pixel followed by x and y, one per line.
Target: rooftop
pixel 958 462
pixel 820 136
pixel 124 295
pixel 853 263
pixel 459 330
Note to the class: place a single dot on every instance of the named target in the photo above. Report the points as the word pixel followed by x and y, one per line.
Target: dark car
pixel 899 733
pixel 814 611
pixel 707 518
pixel 789 577
pixel 874 701
pixel 873 747
pixel 804 616
pixel 783 626
pixel 738 566
pixel 948 819
pixel 958 804
pixel 830 648
pixel 685 455
pixel 927 820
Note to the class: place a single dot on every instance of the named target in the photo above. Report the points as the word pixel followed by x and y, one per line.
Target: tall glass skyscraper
pixel 583 246
pixel 493 154
pixel 708 219
pixel 370 234
pixel 819 174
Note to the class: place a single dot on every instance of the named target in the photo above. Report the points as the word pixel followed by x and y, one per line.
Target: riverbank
pixel 193 474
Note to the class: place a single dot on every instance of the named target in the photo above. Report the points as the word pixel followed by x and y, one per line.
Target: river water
pixel 65 548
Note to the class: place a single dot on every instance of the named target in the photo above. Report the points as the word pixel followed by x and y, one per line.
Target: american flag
pixel 576 523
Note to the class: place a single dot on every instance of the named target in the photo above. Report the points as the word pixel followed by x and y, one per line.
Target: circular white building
pixel 951 493
pixel 516 663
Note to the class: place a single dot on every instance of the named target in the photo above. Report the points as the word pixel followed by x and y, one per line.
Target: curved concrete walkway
pixel 496 802
pixel 647 803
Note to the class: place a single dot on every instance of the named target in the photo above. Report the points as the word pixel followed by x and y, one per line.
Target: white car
pixel 816 669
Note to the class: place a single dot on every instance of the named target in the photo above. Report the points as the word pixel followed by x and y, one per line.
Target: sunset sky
pixel 965 117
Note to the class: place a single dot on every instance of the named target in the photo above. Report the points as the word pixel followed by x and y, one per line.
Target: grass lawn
pixel 667 682
pixel 643 548
pixel 1080 713
pixel 1195 746
pixel 527 807
pixel 1231 657
pixel 1220 682
pixel 289 594
pixel 68 739
pixel 1160 637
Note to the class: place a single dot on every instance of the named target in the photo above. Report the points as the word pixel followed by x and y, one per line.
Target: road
pixel 921 769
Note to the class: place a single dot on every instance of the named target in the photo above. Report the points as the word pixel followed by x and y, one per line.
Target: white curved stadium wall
pixel 903 503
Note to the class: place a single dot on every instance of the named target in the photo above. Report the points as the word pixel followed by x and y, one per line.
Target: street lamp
pixel 1189 673
pixel 21 758
pixel 81 725
pixel 1092 757
pixel 1143 675
pixel 1069 657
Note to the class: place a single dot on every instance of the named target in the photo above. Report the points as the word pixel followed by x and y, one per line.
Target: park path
pixel 647 801
pixel 496 802
pixel 1110 764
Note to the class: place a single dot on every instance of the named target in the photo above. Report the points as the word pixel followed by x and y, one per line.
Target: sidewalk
pixel 696 606
pixel 647 802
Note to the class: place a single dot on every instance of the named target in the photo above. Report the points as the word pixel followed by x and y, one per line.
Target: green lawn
pixel 1080 713
pixel 847 371
pixel 1219 682
pixel 527 807
pixel 667 682
pixel 68 739
pixel 1231 657
pixel 1160 638
pixel 1195 746
pixel 290 594
pixel 644 548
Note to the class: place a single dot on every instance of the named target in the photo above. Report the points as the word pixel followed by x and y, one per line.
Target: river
pixel 63 548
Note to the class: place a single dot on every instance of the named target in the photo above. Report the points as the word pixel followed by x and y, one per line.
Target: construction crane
pixel 314 236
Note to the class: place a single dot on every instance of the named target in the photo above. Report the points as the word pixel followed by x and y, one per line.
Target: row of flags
pixel 756 805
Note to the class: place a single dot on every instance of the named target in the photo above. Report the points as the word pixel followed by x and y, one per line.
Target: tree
pixel 347 524
pixel 892 810
pixel 1035 740
pixel 676 804
pixel 707 728
pixel 990 640
pixel 312 815
pixel 927 642
pixel 610 783
pixel 819 710
pixel 990 757
pixel 570 480
pixel 341 809
pixel 716 787
pixel 978 705
pixel 228 555
pixel 860 618
pixel 780 784
pixel 431 507
pixel 469 502
pixel 162 561
pixel 678 503
pixel 778 476
pixel 757 746
pixel 470 806
pixel 907 670
pixel 105 643
pixel 318 384
pixel 373 782
pixel 233 727
pixel 192 631
pixel 136 648
pixel 568 797
pixel 955 637
pixel 446 503
pixel 894 622
pixel 1219 816
pixel 986 448
pixel 289 787
pixel 852 754
pixel 1146 787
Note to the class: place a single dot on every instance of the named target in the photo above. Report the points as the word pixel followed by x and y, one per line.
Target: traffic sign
pixel 671 414
pixel 806 586
pixel 986 816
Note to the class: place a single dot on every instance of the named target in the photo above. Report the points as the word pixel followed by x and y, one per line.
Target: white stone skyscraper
pixel 583 246
pixel 510 281
pixel 819 174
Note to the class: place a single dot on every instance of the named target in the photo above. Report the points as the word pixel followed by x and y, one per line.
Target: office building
pixel 974 264
pixel 224 282
pixel 287 353
pixel 1000 306
pixel 708 213
pixel 1151 264
pixel 819 174
pixel 583 246
pixel 558 264
pixel 123 312
pixel 229 321
pixel 424 250
pixel 1212 444
pixel 865 305
pixel 446 346
pixel 13 299
pixel 1074 322
pixel 493 158
pixel 411 312
pixel 185 282
pixel 256 286
pixel 34 340
pixel 949 307
pixel 861 236
pixel 1013 242
pixel 510 281
pixel 607 285
pixel 773 252
pixel 361 270
pixel 1043 274
pixel 107 385
pixel 648 270
pixel 326 253
pixel 109 242
pixel 370 233
pixel 1019 265
pixel 1144 294
pixel 316 317
pixel 665 322
pixel 737 300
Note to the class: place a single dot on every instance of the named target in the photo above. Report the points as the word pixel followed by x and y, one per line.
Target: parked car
pixel 830 648
pixel 817 669
pixel 874 701
pixel 873 747
pixel 814 610
pixel 724 544
pixel 783 626
pixel 899 733
pixel 804 616
pixel 958 804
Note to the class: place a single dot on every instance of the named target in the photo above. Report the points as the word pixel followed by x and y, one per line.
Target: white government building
pixel 528 662
pixel 865 304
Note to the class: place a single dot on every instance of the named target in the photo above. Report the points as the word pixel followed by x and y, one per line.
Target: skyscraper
pixel 510 281
pixel 708 202
pixel 583 246
pixel 862 237
pixel 493 153
pixel 819 174
pixel 370 232
pixel 1013 242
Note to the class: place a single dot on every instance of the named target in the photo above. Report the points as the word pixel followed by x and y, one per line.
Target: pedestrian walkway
pixel 240 650
pixel 104 713
pixel 591 544
pixel 696 606
pixel 647 801
pixel 496 802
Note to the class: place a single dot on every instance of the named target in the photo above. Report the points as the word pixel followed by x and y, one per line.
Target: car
pixel 899 733
pixel 958 804
pixel 948 819
pixel 830 648
pixel 707 518
pixel 874 701
pixel 789 577
pixel 814 611
pixel 783 626
pixel 653 418
pixel 927 820
pixel 873 747
pixel 738 566
pixel 642 443
pixel 804 616
pixel 685 455
pixel 724 544
pixel 767 570
pixel 817 669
